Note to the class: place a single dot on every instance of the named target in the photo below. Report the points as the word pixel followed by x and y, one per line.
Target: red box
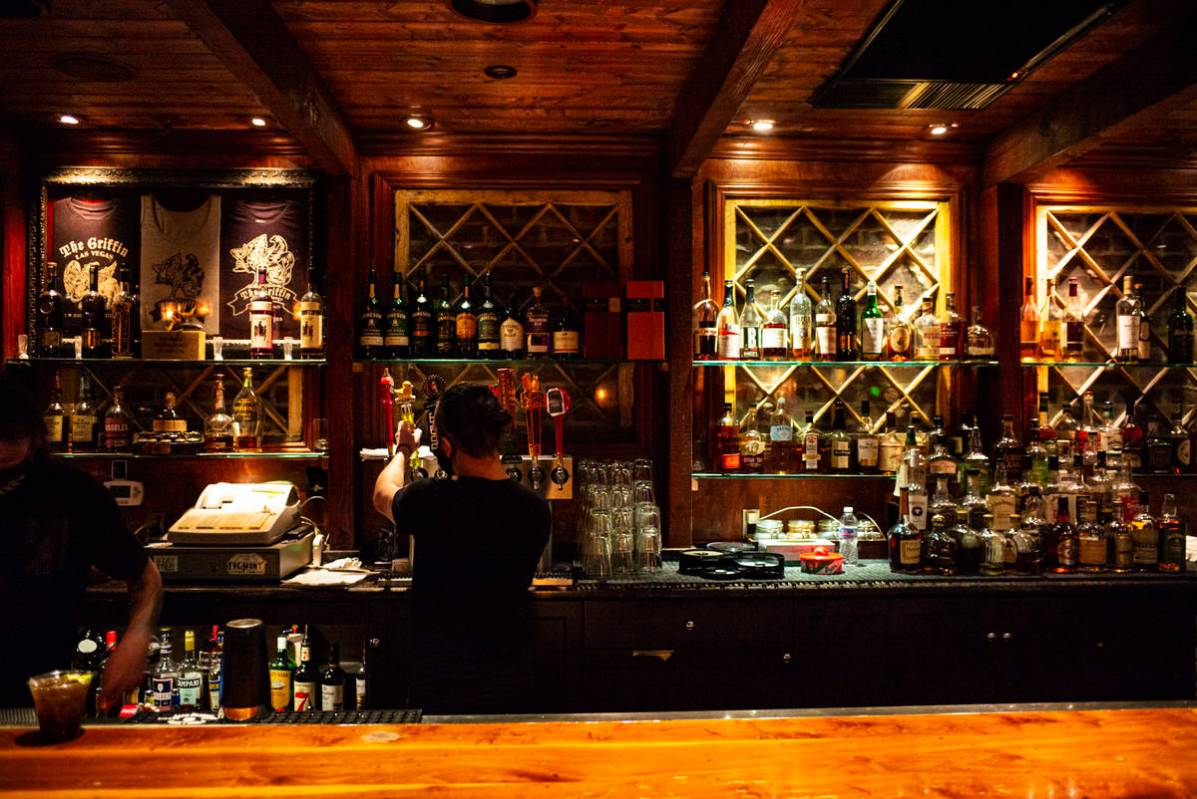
pixel 602 320
pixel 646 320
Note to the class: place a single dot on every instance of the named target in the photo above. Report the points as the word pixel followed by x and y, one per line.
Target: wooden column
pixel 12 246
pixel 1004 231
pixel 680 278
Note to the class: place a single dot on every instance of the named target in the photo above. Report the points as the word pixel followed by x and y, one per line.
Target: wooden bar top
pixel 1012 753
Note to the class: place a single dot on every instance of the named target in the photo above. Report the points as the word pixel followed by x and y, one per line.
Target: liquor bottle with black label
pixel 51 313
pixel 282 670
pixel 465 317
pixel 126 318
pixel 165 679
pixel 332 682
pixel 1063 535
pixel 1172 537
pixel 845 321
pixel 536 326
pixel 422 330
pixel 247 414
pixel 840 442
pixel 489 316
pixel 311 321
pixel 55 418
pixel 191 678
pixel 369 337
pixel 118 429
pixel 83 419
pixel 1074 323
pixel 93 311
pixel 395 338
pixel 905 540
pixel 169 420
pixel 512 339
pixel 445 322
pixel 218 427
pixel 261 320
pixel 567 337
pixel 304 697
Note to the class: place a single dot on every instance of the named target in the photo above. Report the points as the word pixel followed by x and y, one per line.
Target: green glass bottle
pixel 872 322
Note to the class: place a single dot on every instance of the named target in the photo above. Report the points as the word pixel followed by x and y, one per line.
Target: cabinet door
pixel 940 655
pixel 388 654
pixel 842 657
pixel 557 631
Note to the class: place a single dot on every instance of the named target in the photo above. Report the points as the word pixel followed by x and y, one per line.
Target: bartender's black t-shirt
pixel 477 545
pixel 55 523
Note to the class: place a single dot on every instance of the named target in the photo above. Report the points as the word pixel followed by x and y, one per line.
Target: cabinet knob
pixel 690 626
pixel 1006 636
pixel 991 636
pixel 787 658
pixel 374 643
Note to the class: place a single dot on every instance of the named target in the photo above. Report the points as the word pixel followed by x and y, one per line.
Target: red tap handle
pixel 387 384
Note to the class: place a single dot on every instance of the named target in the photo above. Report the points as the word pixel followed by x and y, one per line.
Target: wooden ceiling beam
pixel 748 35
pixel 255 44
pixel 1135 90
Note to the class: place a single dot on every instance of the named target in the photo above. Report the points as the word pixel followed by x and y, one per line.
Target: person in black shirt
pixel 478 538
pixel 56 522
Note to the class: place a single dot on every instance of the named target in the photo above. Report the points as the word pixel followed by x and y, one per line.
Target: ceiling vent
pixel 948 55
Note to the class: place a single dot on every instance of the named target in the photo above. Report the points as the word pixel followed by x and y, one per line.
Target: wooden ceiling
pixel 596 67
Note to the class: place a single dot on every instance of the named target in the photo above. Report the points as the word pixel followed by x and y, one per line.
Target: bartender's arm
pixel 393 475
pixel 125 668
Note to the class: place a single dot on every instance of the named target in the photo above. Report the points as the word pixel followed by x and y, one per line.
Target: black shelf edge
pixel 796 476
pixel 502 362
pixel 1105 365
pixel 844 364
pixel 197 456
pixel 173 362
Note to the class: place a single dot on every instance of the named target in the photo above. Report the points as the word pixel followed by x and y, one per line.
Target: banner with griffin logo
pixel 92 233
pixel 263 230
pixel 180 261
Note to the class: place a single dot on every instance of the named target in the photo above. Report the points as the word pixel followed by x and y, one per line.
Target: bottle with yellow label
pixel 281 673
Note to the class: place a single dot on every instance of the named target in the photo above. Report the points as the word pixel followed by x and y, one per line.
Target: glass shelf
pixel 302 455
pixel 498 362
pixel 1108 365
pixel 173 362
pixel 845 364
pixel 797 476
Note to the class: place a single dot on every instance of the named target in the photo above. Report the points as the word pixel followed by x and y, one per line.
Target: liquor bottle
pixel 779 455
pixel 51 314
pixel 215 656
pixel 868 443
pixel 1172 537
pixel 164 681
pixel 969 547
pixel 940 549
pixel 1001 499
pixel 1127 316
pixel 913 476
pixel 1050 322
pixel 750 326
pixel 465 315
pixel 905 541
pixel 941 463
pixel 1063 536
pixel 951 330
pixel 825 324
pixel 489 316
pixel 1074 323
pixel 93 311
pixel 361 684
pixel 369 337
pixel 396 333
pixel 1037 460
pixel 1144 328
pixel 1092 547
pixel 993 547
pixel 729 441
pixel 126 318
pixel 872 322
pixel 304 698
pixel 282 670
pixel 218 426
pixel 261 319
pixel 839 442
pixel 845 321
pixel 512 340
pixel 446 322
pixel 775 330
pixel 926 332
pixel 567 337
pixel 1028 542
pixel 55 418
pixel 247 415
pixel 1181 459
pixel 1008 449
pixel 899 335
pixel 979 340
pixel 1028 324
pixel 1121 538
pixel 727 326
pixel 421 327
pixel 1111 431
pixel 801 320
pixel 1180 331
pixel 191 679
pixel 1144 535
pixel 83 426
pixel 812 446
pixel 1158 447
pixel 169 420
pixel 752 446
pixel 705 326
pixel 332 682
pixel 1132 440
pixel 118 429
pixel 311 320
pixel 536 326
pixel 891 446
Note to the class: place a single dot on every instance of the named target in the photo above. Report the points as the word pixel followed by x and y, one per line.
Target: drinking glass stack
pixel 619 527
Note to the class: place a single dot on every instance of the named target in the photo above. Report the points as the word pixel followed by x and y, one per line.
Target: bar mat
pixel 18 717
pixel 412 716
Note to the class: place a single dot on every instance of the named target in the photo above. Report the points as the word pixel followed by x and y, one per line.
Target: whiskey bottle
pixel 926 332
pixel 1050 324
pixel 465 317
pixel 1180 331
pixel 1002 499
pixel 1172 537
pixel 812 446
pixel 165 679
pixel 727 326
pixel 247 415
pixel 1092 547
pixel 169 420
pixel 51 314
pixel 872 322
pixel 980 345
pixel 261 320
pixel 396 340
pixel 118 428
pixel 489 316
pixel 750 326
pixel 1146 540
pixel 445 322
pixel 891 446
pixel 304 698
pixel 1064 538
pixel 899 335
pixel 1127 317
pixel 941 463
pixel 567 337
pixel 1074 323
pixel 801 320
pixel 1026 536
pixel 913 477
pixel 825 326
pixel 951 330
pixel 512 340
pixel 55 418
pixel 1144 328
pixel 421 319
pixel 1008 449
pixel 1038 469
pixel 940 549
pixel 93 311
pixel 1028 324
pixel 976 463
pixel 282 672
pixel 905 541
pixel 704 316
pixel 536 326
pixel 218 427
pixel 845 321
pixel 993 547
pixel 311 321
pixel 369 337
pixel 839 442
pixel 969 549
pixel 332 682
pixel 126 319
pixel 752 446
pixel 775 330
pixel 191 679
pixel 868 443
pixel 1121 538
pixel 779 455
pixel 1158 446
pixel 729 441
pixel 83 420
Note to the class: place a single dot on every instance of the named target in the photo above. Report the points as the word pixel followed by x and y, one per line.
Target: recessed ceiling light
pixel 69 119
pixel 417 122
pixel 941 128
pixel 257 122
pixel 496 11
pixel 500 71
pixel 762 125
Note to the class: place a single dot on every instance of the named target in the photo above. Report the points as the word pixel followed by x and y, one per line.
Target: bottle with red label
pixel 729 441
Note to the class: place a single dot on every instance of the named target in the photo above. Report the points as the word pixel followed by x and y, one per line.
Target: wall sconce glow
pixel 418 123
pixel 257 122
pixel 762 125
pixel 69 119
pixel 939 130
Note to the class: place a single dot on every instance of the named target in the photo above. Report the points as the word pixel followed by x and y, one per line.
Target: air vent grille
pixel 953 96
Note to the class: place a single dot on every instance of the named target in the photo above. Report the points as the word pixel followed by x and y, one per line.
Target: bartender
pixel 478 538
pixel 56 522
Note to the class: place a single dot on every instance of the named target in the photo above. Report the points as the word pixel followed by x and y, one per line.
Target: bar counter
pixel 1013 750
